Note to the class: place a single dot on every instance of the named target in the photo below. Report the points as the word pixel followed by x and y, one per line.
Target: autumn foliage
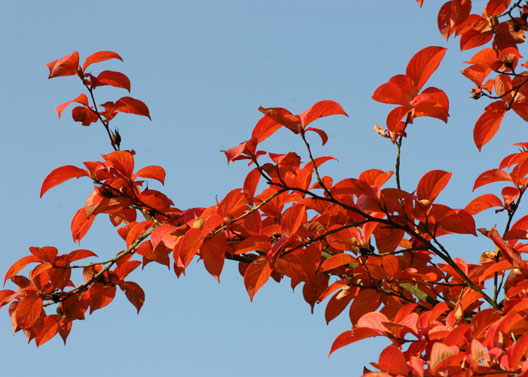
pixel 363 247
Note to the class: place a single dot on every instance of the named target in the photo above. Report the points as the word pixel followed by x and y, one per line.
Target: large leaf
pixel 66 66
pixel 82 99
pixel 117 79
pixel 319 110
pixel 132 106
pixel 431 184
pixel 134 293
pixel 60 175
pixel 257 274
pixel 423 64
pixel 482 203
pixel 489 122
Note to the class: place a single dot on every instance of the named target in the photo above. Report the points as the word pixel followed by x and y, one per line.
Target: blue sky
pixel 204 68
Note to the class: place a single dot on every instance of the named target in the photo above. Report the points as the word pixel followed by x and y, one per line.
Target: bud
pixel 115 137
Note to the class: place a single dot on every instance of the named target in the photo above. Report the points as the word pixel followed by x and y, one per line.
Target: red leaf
pixel 100 296
pixel 112 78
pixel 137 230
pixel 375 177
pixel 319 110
pixel 132 106
pixel 387 239
pixel 124 269
pixel 459 221
pixel 482 203
pixel 398 91
pixel 153 172
pixel 66 66
pixel 257 274
pixel 493 8
pixel 292 219
pixel 134 293
pixel 82 99
pixel 451 15
pixel 431 184
pixel 337 260
pixel 366 301
pixel 489 122
pixel 352 336
pixel 84 114
pixel 60 175
pixel 264 128
pixel 490 176
pixel 339 302
pixel 28 311
pixel 423 64
pixel 392 360
pixel 19 265
pixel 80 254
pixel 213 252
pixel 283 117
pixel 251 182
pixel 80 224
pixel 123 161
pixel 321 133
pixel 189 245
pixel 510 253
pixel 50 327
pixel 432 102
pixel 99 57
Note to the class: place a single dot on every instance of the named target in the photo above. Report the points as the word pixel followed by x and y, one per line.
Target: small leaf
pixel 80 224
pixel 489 122
pixel 49 329
pixel 60 175
pixel 337 260
pixel 84 114
pixel 28 311
pixel 82 99
pixel 99 57
pixel 491 176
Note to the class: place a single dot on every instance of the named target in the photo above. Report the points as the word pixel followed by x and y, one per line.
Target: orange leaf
pixel 28 311
pixel 352 336
pixel 66 66
pixel 153 172
pixel 459 221
pixel 112 78
pixel 431 184
pixel 123 161
pixel 392 360
pixel 423 64
pixel 264 128
pixel 134 293
pixel 398 91
pixel 99 57
pixel 482 203
pixel 488 123
pixel 432 102
pixel 439 353
pixel 19 265
pixel 319 110
pixel 132 106
pixel 292 219
pixel 49 329
pixel 337 260
pixel 283 117
pixel 257 274
pixel 366 301
pixel 212 252
pixel 339 302
pixel 84 114
pixel 80 254
pixel 82 99
pixel 60 175
pixel 100 296
pixel 80 224
pixel 490 176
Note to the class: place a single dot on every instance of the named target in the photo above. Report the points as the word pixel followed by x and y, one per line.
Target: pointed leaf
pixel 28 311
pixel 257 274
pixel 82 99
pixel 488 123
pixel 112 78
pixel 423 64
pixel 66 66
pixel 431 184
pixel 132 106
pixel 134 293
pixel 482 203
pixel 60 175
pixel 99 57
pixel 19 265
pixel 352 336
pixel 319 110
pixel 80 224
pixel 153 172
pixel 490 176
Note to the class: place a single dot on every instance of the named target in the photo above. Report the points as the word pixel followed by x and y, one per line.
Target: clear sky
pixel 203 68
